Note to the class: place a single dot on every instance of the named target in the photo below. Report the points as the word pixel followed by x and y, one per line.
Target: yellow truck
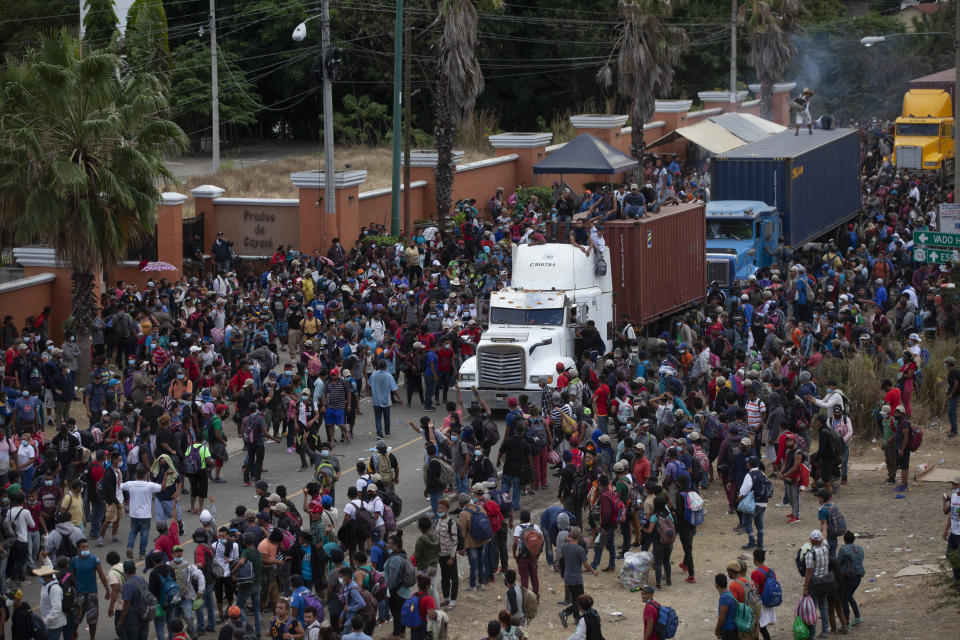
pixel 923 140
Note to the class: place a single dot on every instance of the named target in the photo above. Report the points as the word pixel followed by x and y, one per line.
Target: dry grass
pixel 473 135
pixel 272 179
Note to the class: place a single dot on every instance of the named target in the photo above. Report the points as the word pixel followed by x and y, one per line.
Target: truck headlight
pixel 536 379
pixel 930 164
pixel 468 377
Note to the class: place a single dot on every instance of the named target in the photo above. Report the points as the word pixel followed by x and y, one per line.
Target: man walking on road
pixel 383 393
pixel 141 513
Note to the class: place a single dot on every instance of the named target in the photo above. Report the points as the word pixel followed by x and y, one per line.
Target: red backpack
pixel 618 510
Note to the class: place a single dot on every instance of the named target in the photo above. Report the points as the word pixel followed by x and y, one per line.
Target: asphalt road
pixel 284 468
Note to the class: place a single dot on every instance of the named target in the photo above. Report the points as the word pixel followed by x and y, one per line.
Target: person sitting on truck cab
pixel 580 236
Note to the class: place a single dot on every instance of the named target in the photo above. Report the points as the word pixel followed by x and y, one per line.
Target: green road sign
pixel 936 238
pixel 936 256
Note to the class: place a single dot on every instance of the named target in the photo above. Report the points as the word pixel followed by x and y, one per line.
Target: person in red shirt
pixel 562 378
pixel 651 612
pixel 601 405
pixel 427 604
pixel 446 366
pixel 168 539
pixel 759 577
pixel 891 395
pixel 469 338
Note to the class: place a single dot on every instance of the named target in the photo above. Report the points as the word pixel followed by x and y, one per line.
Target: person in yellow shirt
pixel 307 286
pixel 72 503
pixel 310 326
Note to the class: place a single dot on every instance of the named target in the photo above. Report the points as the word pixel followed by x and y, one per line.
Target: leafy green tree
pixel 146 39
pixel 770 23
pixel 99 24
pixel 22 22
pixel 459 81
pixel 361 120
pixel 647 53
pixel 81 161
pixel 190 90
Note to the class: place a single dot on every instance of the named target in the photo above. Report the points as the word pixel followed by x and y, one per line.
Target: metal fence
pixel 145 250
pixel 193 226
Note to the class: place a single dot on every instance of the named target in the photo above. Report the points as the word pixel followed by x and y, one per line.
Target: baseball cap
pixel 816 535
pixel 733 566
pixel 205 516
pixel 233 611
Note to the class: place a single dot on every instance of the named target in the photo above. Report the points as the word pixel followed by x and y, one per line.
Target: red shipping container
pixel 658 263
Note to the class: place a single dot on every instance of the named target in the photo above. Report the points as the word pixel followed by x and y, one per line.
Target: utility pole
pixel 214 86
pixel 407 122
pixel 397 87
pixel 733 51
pixel 330 195
pixel 80 33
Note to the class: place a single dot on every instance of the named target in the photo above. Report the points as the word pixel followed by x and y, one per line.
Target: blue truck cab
pixel 742 236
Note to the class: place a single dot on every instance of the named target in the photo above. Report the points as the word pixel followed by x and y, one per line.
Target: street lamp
pixel 328 56
pixel 869 41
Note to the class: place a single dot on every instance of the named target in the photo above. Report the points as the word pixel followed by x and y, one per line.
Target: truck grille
pixel 910 157
pixel 501 366
pixel 718 271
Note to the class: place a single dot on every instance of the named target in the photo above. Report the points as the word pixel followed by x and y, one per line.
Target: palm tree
pixel 458 84
pixel 647 51
pixel 770 24
pixel 81 161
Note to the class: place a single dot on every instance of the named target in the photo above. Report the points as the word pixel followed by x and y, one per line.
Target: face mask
pixel 324 453
pixel 341 580
pixel 48 483
pixel 478 453
pixel 85 553
pixel 131 362
pixel 180 376
pixel 442 513
pixel 50 348
pixel 73 338
pixel 178 560
pixel 454 438
pixel 186 335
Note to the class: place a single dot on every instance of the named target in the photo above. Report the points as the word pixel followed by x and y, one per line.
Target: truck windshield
pixel 918 129
pixel 730 230
pixel 502 315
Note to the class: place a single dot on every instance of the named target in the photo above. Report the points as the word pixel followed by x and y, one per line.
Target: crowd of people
pixel 729 393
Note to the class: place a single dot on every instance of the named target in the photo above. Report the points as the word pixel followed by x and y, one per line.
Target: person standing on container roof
pixel 803 116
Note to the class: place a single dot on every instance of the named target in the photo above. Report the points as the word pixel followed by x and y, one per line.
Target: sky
pixel 121 7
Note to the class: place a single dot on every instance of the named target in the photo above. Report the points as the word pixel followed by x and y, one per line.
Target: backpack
pixel 693 508
pixel 743 618
pixel 68 585
pixel 211 568
pixel 310 599
pixel 682 477
pixel 242 575
pixel 568 424
pixel 291 409
pixel 288 540
pixel 363 521
pixel 410 612
pixel 249 432
pixel 916 438
pixel 481 529
pixel 370 601
pixel 381 464
pixel 147 610
pixel 170 596
pixel 836 523
pixel 666 529
pixel 39 629
pixel 295 518
pixel 772 594
pixel 762 487
pixel 618 510
pixel 581 483
pixel 529 604
pixel 389 519
pixel 192 463
pixel 314 365
pixel 801 562
pixel 667 622
pixel 446 472
pixel 491 434
pixel 846 401
pixel 531 541
pixel 408 575
pixel 536 436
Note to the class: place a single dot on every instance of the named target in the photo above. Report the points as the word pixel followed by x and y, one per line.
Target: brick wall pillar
pixel 605 127
pixel 781 94
pixel 170 229
pixel 203 202
pixel 423 162
pixel 530 147
pixel 721 99
pixel 317 227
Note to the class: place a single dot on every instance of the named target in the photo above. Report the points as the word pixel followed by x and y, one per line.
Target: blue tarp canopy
pixel 586 154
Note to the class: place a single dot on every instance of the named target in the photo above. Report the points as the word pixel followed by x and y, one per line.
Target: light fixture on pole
pixel 331 66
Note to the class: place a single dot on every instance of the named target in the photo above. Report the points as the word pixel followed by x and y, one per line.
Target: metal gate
pixel 193 226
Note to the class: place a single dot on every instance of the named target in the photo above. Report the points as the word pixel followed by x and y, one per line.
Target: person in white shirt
pixel 141 510
pixel 26 462
pixel 51 602
pixel 374 505
pixel 20 520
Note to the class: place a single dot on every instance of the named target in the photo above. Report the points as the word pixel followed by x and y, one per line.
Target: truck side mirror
pixel 581 313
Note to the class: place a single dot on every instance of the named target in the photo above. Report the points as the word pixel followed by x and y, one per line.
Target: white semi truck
pixel 532 323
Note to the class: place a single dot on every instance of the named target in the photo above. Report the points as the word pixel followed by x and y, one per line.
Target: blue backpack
pixel 480 528
pixel 410 612
pixel 169 591
pixel 772 594
pixel 667 622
